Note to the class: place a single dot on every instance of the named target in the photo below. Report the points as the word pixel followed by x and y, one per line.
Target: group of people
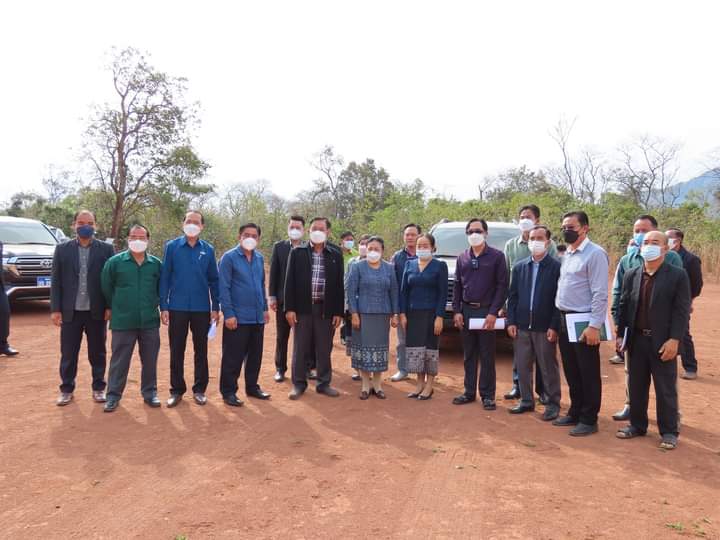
pixel 536 290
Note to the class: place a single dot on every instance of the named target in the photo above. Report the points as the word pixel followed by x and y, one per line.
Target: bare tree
pixel 330 167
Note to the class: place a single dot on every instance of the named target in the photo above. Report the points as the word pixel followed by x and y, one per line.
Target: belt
pixel 567 312
pixel 476 305
pixel 644 332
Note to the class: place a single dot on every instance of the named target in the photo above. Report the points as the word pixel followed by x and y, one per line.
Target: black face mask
pixel 570 236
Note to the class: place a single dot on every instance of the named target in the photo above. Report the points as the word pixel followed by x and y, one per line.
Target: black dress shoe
pixel 296 392
pixel 279 376
pixel 583 430
pixel 258 394
pixel 174 400
pixel 514 393
pixel 565 421
pixel 327 390
pixel 521 408
pixel 543 399
pixel 623 415
pixel 111 405
pixel 462 399
pixel 423 397
pixel 153 402
pixel 9 351
pixel 232 401
pixel 489 404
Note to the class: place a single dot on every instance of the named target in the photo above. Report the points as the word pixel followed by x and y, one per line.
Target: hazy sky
pixel 445 91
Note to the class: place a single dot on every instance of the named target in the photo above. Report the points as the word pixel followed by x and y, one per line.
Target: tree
pixel 140 146
pixel 519 180
pixel 363 189
pixel 329 165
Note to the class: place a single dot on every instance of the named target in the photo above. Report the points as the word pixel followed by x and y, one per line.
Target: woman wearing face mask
pixel 372 292
pixel 362 253
pixel 423 295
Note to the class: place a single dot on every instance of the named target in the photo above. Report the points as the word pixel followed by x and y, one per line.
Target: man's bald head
pixel 657 238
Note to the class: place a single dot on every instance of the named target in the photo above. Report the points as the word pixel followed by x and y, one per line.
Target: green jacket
pixel 132 291
pixel 628 261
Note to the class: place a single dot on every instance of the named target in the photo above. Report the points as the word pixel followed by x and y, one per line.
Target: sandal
pixel 379 394
pixel 364 395
pixel 629 432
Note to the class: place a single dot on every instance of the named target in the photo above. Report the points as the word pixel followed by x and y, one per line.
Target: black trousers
pixel 244 344
pixel 71 333
pixel 581 364
pixel 645 363
pixel 687 352
pixel 478 348
pixel 4 318
pixel 199 323
pixel 313 336
pixel 281 343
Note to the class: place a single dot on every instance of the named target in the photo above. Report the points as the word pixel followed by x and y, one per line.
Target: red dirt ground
pixel 343 468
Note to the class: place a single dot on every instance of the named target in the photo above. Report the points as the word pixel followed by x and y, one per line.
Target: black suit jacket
pixel 65 274
pixel 669 305
pixel 298 281
pixel 693 267
pixel 278 270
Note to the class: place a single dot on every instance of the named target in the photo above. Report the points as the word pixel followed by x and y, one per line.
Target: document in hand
pixel 213 330
pixel 578 322
pixel 478 323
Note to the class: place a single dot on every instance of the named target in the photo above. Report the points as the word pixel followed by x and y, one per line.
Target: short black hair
pixel 649 218
pixel 678 232
pixel 533 208
pixel 430 238
pixel 417 227
pixel 548 234
pixel 84 211
pixel 297 218
pixel 581 216
pixel 378 240
pixel 138 226
pixel 249 225
pixel 320 218
pixel 344 235
pixel 193 211
pixel 476 220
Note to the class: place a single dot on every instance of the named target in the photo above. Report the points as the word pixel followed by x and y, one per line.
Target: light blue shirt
pixel 535 268
pixel 583 283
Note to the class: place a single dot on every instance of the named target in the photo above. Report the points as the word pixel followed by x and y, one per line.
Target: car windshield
pixel 451 241
pixel 26 233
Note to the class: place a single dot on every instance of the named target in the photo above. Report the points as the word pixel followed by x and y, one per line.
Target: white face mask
pixel 295 234
pixel 672 243
pixel 526 224
pixel 249 243
pixel 349 244
pixel 537 247
pixel 363 250
pixel 476 239
pixel 373 256
pixel 137 246
pixel 318 237
pixel 424 254
pixel 191 230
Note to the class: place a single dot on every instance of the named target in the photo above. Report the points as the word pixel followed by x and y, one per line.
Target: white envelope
pixel 478 323
pixel 213 330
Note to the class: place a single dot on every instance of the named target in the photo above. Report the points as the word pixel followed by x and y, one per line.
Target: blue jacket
pixel 544 313
pixel 189 279
pixel 370 290
pixel 399 260
pixel 424 290
pixel 242 287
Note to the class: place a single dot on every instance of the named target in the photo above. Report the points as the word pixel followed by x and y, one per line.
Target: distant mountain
pixel 706 184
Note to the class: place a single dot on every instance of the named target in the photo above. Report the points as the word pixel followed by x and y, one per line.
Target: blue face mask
pixel 650 252
pixel 632 250
pixel 85 231
pixel 638 238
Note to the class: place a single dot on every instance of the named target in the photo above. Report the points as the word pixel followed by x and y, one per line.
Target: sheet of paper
pixel 577 322
pixel 478 323
pixel 213 330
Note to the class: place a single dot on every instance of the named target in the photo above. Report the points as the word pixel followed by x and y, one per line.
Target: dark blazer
pixel 278 269
pixel 669 305
pixel 544 313
pixel 693 267
pixel 297 293
pixel 64 284
pixel 2 282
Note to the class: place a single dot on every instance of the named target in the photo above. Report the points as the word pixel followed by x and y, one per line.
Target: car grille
pixel 33 266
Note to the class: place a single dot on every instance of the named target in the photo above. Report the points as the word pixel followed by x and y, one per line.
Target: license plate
pixel 43 282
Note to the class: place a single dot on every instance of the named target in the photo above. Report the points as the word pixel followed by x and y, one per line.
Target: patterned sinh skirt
pixel 421 342
pixel 371 342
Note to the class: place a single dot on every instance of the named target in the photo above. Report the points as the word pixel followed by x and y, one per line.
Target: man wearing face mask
pixel 347 247
pixel 399 260
pixel 582 288
pixel 632 259
pixel 314 306
pixel 131 285
pixel 693 267
pixel 517 249
pixel 278 267
pixel 245 310
pixel 654 309
pixel 533 322
pixel 481 283
pixel 189 299
pixel 77 305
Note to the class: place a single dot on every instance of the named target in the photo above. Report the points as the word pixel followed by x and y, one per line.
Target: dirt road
pixel 344 468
